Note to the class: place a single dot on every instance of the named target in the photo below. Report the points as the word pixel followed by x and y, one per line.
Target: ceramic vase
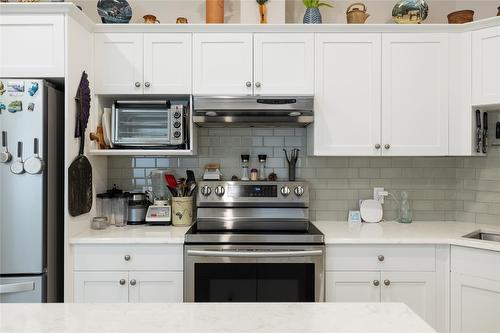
pixel 215 11
pixel 410 11
pixel 312 16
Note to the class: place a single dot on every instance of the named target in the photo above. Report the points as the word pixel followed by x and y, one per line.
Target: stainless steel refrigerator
pixel 31 193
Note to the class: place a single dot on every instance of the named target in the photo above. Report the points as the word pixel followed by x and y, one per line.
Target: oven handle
pixel 254 254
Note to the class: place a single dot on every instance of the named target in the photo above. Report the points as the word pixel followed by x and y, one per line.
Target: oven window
pixel 256 282
pixel 143 125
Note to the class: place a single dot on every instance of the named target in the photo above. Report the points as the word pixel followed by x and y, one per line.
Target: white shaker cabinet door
pixel 347 95
pixel 486 66
pixel 32 46
pixel 415 94
pixel 415 289
pixel 222 64
pixel 167 63
pixel 283 64
pixel 101 287
pixel 155 287
pixel 475 304
pixel 118 63
pixel 353 286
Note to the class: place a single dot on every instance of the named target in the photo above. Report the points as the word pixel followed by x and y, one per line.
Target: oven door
pixel 250 273
pixel 141 124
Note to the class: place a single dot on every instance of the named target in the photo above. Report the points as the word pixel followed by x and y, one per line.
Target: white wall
pixel 380 10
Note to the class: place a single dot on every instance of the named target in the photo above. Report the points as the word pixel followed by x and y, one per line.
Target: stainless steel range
pixel 253 242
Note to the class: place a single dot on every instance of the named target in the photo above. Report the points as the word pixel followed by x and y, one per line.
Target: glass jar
pixel 245 159
pixel 254 174
pixel 120 209
pixel 99 223
pixel 262 167
pixel 405 213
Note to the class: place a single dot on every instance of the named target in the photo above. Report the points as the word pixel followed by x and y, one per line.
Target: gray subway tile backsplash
pixel 440 188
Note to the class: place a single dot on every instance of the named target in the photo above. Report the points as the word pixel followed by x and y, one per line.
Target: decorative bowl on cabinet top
pixel 114 11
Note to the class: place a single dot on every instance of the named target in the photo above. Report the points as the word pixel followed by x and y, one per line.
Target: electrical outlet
pixel 377 194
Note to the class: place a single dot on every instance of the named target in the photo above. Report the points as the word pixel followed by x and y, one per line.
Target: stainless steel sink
pixel 488 236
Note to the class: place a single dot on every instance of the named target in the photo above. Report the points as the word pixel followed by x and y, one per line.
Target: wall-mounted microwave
pixel 148 124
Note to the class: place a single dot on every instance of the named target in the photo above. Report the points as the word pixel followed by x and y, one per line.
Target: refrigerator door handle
pixel 16 287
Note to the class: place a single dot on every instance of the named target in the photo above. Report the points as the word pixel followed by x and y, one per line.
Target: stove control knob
pixel 285 191
pixel 219 190
pixel 206 190
pixel 299 190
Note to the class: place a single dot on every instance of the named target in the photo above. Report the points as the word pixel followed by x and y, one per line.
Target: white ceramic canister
pixel 182 211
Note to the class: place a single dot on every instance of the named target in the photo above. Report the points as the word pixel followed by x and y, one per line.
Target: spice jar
pixel 254 174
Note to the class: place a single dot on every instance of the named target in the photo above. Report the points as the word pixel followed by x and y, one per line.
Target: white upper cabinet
pixel 136 63
pixel 283 64
pixel 167 63
pixel 415 94
pixel 222 64
pixel 347 94
pixel 32 46
pixel 486 66
pixel 118 63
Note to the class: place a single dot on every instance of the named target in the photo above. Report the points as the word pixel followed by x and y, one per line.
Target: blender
pixel 160 212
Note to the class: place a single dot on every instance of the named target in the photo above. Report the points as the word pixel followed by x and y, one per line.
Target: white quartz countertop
pixel 140 234
pixel 212 317
pixel 412 233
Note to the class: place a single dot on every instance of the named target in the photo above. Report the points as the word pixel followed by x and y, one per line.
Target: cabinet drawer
pixel 392 258
pixel 475 262
pixel 140 257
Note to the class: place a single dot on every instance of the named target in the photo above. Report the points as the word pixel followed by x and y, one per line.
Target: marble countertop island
pixel 212 318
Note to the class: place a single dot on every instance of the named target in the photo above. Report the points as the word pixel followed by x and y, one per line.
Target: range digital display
pixel 250 191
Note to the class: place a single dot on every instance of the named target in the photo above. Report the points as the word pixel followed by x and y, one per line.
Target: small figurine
pixel 2 88
pixel 15 106
pixel 33 89
pixel 181 20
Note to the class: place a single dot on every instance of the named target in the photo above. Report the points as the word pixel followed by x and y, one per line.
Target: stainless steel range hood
pixel 261 111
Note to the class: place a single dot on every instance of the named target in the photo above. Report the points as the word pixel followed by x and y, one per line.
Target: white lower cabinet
pixel 387 273
pixel 475 291
pixel 128 273
pixel 155 287
pixel 101 287
pixel 353 287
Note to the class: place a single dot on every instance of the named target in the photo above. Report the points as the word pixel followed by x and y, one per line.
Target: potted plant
pixel 312 14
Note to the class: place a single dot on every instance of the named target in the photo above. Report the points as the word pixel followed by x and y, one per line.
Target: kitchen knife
pixel 485 132
pixel 479 136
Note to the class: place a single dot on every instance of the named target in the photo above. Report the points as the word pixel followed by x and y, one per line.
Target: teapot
pixel 356 15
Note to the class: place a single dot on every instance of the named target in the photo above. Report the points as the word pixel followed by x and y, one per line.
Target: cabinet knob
pixel 122 282
pixel 387 282
pixel 387 146
pixel 147 84
pixel 381 258
pixel 133 282
pixel 126 257
pixel 257 84
pixel 248 84
pixel 137 84
pixel 377 146
pixel 376 283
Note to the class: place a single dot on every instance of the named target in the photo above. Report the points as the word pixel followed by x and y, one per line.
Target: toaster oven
pixel 156 123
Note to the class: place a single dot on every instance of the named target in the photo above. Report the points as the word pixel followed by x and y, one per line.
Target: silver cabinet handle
pixel 387 282
pixel 377 146
pixel 133 282
pixel 147 84
pixel 376 283
pixel 387 146
pixel 16 287
pixel 257 84
pixel 137 84
pixel 254 254
pixel 248 84
pixel 381 258
pixel 122 281
pixel 127 257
